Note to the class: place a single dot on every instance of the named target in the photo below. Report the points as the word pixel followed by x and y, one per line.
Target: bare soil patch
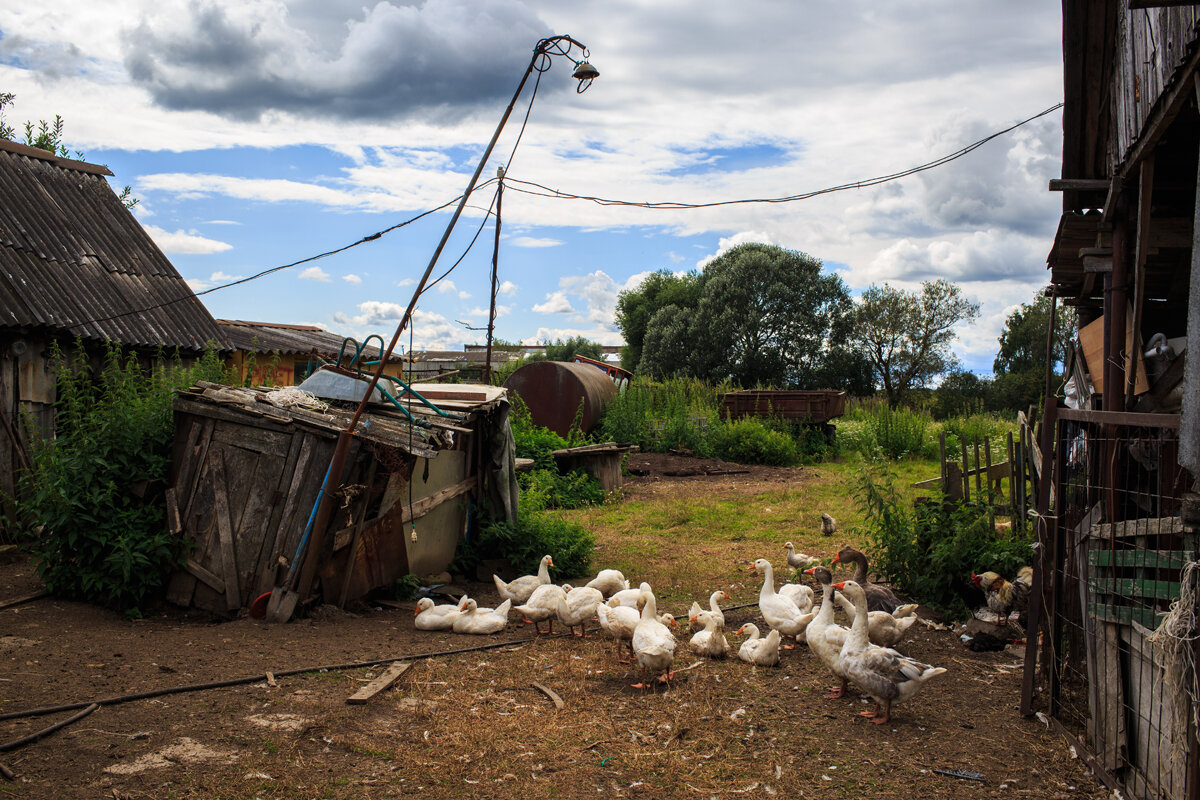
pixel 473 725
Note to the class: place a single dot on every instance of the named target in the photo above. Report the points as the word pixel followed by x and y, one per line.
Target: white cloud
pixel 534 241
pixel 601 335
pixel 314 274
pixel 556 303
pixel 431 331
pixel 727 243
pixel 507 288
pixel 406 282
pixel 350 277
pixel 182 242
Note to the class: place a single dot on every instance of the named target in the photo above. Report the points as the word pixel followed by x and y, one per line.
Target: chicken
pixel 828 525
pixel 1005 597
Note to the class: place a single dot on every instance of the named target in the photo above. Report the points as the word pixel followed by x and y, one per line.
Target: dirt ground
pixel 474 725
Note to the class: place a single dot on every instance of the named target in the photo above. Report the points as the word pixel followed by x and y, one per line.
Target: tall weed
pixel 930 551
pixel 94 491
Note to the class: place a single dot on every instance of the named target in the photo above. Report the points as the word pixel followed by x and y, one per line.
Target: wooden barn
pixel 1117 514
pixel 279 354
pixel 75 263
pixel 247 470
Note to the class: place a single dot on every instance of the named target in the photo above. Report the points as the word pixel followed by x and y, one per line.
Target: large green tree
pixel 1020 365
pixel 635 307
pixel 764 315
pixel 907 335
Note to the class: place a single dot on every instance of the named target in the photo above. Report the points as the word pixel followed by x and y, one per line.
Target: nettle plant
pixel 93 497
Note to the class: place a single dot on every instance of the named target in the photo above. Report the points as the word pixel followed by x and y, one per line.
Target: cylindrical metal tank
pixel 553 391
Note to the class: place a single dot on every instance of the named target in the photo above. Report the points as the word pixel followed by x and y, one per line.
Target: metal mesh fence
pixel 1119 644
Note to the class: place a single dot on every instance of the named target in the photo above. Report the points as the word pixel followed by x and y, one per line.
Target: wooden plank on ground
pixel 381 683
pixel 553 695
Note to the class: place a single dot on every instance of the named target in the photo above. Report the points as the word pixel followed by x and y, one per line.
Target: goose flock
pixel 861 654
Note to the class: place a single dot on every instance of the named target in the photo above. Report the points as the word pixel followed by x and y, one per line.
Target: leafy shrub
pixel 524 542
pixel 95 489
pixel 931 551
pixel 544 488
pixel 749 441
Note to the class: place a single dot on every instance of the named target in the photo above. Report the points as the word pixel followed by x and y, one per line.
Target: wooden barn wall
pixel 1152 45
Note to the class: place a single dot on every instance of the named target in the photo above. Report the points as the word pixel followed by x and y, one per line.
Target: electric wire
pixel 541 190
pixel 557 194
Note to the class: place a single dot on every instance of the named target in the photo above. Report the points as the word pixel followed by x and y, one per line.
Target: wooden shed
pixel 246 474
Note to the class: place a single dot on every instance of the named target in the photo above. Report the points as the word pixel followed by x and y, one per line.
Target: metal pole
pixel 334 476
pixel 487 369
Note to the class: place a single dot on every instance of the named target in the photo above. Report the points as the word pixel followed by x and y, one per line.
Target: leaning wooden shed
pixel 246 474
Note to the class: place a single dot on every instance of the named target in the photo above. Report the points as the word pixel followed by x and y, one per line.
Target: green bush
pixel 930 552
pixel 544 488
pixel 94 491
pixel 524 542
pixel 749 441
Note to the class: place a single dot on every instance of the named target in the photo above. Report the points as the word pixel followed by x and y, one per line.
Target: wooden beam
pixel 1159 3
pixel 1130 418
pixel 380 684
pixel 1097 265
pixel 1078 184
pixel 1134 347
pixel 1166 107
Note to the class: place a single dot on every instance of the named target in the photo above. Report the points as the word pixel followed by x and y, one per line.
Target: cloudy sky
pixel 257 133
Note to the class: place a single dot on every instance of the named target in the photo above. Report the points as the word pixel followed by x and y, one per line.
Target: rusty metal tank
pixel 553 391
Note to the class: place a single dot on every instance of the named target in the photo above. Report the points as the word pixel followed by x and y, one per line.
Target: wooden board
pixel 381 683
pixel 1158 559
pixel 1091 337
pixel 225 536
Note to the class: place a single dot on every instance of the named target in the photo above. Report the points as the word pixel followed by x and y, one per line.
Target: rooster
pixel 1004 597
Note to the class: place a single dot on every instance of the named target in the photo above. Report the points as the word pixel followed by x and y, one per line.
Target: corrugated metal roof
pixel 271 337
pixel 73 259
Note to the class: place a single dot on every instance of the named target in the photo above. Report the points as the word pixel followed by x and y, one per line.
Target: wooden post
pixel 987 455
pixel 1041 581
pixel 978 476
pixel 966 472
pixel 942 460
pixel 1012 482
pixel 1145 193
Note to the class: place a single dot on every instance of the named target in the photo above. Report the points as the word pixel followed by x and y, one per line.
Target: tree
pixel 48 136
pixel 560 350
pixel 907 335
pixel 1020 365
pixel 765 315
pixel 635 307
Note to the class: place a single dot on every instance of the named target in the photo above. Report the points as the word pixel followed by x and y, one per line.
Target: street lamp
pixel 541 61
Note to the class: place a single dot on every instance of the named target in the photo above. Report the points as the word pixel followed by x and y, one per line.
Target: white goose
pixel 474 619
pixel 825 637
pixel 799 594
pixel 632 597
pixel 577 606
pixel 711 641
pixel 519 589
pixel 758 649
pixel 884 674
pixel 609 582
pixel 429 617
pixel 883 629
pixel 781 613
pixel 797 560
pixel 713 608
pixel 619 622
pixel 541 606
pixel 653 644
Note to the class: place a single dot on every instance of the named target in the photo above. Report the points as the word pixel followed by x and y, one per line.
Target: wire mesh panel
pixel 1121 600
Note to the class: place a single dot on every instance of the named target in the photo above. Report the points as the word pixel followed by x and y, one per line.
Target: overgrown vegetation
pixel 930 550
pixel 92 499
pixel 524 542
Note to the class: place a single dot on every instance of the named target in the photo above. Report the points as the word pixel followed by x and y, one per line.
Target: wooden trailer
pixel 246 475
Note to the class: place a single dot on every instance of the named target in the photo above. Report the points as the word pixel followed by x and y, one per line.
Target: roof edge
pixel 58 161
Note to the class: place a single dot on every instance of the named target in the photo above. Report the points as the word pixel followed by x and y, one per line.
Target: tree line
pixel 762 315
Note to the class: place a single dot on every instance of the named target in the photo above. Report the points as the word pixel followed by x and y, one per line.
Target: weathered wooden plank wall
pixel 1152 45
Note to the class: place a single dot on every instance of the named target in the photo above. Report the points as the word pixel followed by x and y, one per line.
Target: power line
pixel 540 190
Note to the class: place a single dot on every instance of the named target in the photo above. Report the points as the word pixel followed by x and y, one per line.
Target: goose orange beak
pixel 809 571
pixel 837 559
pixel 840 586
